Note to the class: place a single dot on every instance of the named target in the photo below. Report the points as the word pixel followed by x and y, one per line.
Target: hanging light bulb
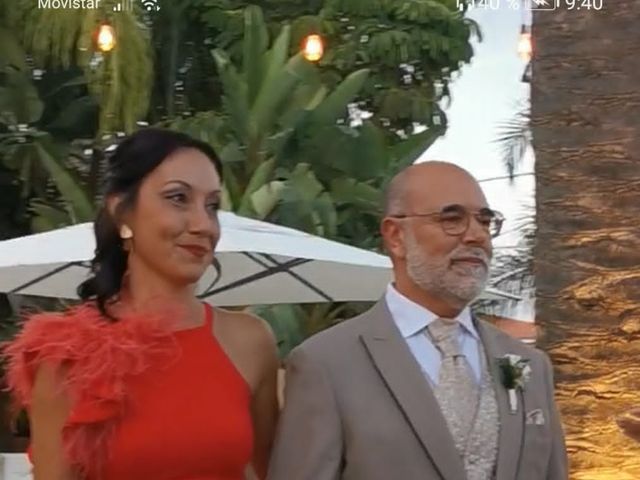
pixel 313 48
pixel 525 45
pixel 106 39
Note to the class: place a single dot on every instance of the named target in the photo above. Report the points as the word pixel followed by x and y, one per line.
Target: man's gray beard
pixel 434 276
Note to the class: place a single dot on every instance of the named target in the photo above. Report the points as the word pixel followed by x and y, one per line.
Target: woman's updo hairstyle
pixel 135 158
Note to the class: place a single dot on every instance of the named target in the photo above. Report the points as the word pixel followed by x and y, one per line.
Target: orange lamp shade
pixel 313 48
pixel 525 46
pixel 106 38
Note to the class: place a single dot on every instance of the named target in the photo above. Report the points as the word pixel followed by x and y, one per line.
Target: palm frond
pixel 514 138
pixel 512 270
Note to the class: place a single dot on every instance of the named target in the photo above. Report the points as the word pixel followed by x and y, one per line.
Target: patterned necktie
pixel 457 391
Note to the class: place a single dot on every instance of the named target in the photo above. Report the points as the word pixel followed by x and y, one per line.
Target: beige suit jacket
pixel 358 407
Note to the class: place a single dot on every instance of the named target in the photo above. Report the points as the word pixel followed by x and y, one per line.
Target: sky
pixel 486 93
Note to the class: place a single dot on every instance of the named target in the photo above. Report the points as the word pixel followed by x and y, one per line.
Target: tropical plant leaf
pixel 303 100
pixel 348 191
pixel 79 110
pixel 276 58
pixel 47 217
pixel 324 211
pixel 235 95
pixel 20 97
pixel 514 139
pixel 266 198
pixel 77 81
pixel 232 187
pixel 273 95
pixel 407 152
pixel 256 40
pixel 372 156
pixel 304 182
pixel 335 105
pixel 11 52
pixel 287 322
pixel 76 198
pixel 261 176
pixel 231 153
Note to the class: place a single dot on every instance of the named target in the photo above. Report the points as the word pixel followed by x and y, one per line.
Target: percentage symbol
pixel 514 4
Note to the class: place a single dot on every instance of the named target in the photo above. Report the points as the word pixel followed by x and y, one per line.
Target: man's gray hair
pixel 395 193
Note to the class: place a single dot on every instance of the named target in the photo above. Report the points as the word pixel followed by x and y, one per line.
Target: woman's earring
pixel 125 232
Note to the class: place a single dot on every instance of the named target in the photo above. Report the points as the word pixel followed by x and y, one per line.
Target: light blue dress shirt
pixel 412 320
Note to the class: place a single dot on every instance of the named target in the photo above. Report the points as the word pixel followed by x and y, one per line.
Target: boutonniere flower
pixel 515 372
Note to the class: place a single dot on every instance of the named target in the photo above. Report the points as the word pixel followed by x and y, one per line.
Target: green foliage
pixel 285 323
pixel 293 323
pixel 267 105
pixel 28 149
pixel 62 38
pixel 182 63
pixel 294 152
pixel 290 157
pixel 39 161
pixel 410 47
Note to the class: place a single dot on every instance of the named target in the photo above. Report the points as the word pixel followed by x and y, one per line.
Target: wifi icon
pixel 150 5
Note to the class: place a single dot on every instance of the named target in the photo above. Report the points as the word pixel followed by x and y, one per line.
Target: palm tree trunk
pixel 586 134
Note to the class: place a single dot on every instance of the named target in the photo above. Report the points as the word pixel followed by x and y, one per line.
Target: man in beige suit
pixel 417 388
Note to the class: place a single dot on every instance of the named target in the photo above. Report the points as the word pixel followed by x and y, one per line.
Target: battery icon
pixel 543 4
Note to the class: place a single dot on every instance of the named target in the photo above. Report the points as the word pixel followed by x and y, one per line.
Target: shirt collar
pixel 412 318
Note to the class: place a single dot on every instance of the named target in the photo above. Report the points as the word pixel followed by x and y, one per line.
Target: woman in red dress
pixel 142 381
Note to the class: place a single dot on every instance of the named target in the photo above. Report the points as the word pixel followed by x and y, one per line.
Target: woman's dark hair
pixel 135 158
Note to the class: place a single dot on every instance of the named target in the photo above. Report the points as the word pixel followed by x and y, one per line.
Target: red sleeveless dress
pixel 152 403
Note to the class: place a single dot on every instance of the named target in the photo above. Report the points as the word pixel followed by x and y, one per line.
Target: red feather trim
pixel 99 357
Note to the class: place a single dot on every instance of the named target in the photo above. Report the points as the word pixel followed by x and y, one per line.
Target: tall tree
pixel 586 134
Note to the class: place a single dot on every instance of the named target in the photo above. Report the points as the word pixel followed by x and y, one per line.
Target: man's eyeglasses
pixel 455 219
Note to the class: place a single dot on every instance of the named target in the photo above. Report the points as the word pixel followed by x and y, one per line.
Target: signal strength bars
pixel 124 6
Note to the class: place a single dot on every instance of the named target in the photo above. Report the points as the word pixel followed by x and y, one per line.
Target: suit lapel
pixel 404 378
pixel 511 425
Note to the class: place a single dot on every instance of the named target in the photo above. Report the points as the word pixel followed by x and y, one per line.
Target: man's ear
pixel 393 237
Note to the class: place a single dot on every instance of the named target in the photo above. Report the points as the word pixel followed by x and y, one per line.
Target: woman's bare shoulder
pixel 246 326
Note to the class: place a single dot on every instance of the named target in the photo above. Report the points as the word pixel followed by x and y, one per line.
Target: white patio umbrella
pixel 261 263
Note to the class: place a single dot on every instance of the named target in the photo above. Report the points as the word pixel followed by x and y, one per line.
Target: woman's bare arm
pixel 50 407
pixel 251 345
pixel 265 411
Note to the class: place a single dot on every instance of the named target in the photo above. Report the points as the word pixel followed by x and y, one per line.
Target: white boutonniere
pixel 515 372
